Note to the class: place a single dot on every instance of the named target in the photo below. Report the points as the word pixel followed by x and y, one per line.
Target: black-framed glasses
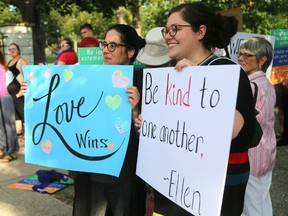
pixel 110 46
pixel 244 55
pixel 172 30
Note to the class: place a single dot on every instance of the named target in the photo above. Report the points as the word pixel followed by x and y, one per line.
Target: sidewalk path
pixel 15 202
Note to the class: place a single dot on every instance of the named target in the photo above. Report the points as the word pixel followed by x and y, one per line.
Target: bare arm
pixel 238 124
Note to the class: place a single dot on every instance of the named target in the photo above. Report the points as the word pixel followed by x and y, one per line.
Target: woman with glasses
pixel 15 70
pixel 99 194
pixel 67 55
pixel 255 55
pixel 191 33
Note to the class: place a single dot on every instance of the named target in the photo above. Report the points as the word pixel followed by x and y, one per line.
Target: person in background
pixel 155 52
pixel 99 194
pixel 67 55
pixel 15 66
pixel 86 30
pixel 89 42
pixel 8 137
pixel 191 34
pixel 282 90
pixel 255 55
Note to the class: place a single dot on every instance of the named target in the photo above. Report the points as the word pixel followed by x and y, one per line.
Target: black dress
pixel 13 89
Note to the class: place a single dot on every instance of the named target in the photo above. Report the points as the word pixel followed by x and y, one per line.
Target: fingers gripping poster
pixel 186 134
pixel 78 117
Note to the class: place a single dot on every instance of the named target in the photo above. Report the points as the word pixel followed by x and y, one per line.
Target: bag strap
pixel 255 92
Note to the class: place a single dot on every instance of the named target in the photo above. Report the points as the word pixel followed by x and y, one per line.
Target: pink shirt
pixel 3 87
pixel 262 157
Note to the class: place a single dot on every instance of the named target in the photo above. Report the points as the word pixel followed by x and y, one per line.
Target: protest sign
pixel 90 56
pixel 77 117
pixel 186 134
pixel 280 60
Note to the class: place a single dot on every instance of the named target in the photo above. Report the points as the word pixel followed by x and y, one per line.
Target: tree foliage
pixel 9 14
pixel 61 18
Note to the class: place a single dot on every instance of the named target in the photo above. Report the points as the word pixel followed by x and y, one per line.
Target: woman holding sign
pixel 191 33
pixel 99 194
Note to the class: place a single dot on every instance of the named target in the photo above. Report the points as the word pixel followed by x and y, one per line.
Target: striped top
pixel 262 157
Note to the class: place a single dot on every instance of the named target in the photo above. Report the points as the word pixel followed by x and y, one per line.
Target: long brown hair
pixel 2 60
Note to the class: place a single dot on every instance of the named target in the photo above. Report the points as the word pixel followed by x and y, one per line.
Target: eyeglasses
pixel 244 55
pixel 63 45
pixel 12 49
pixel 110 46
pixel 172 30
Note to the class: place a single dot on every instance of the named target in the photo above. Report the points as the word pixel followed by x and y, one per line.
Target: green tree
pixel 258 16
pixel 9 14
pixel 34 11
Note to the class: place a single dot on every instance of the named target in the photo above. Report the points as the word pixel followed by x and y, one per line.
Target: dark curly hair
pixel 220 29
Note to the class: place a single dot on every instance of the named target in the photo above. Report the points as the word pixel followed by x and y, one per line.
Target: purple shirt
pixel 262 157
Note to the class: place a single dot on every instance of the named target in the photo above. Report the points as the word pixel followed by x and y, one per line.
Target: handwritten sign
pixel 186 134
pixel 77 117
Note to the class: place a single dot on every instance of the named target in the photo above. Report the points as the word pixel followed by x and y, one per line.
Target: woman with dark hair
pixel 99 194
pixel 67 55
pixel 191 32
pixel 15 66
pixel 8 137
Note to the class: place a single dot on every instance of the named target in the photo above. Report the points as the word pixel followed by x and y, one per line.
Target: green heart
pixel 67 75
pixel 113 102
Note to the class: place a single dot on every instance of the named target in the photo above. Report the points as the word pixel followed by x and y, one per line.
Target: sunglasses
pixel 63 45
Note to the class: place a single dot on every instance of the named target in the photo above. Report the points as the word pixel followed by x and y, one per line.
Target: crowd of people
pixel 192 31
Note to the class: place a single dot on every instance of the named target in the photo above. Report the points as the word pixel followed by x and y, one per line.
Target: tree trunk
pixel 136 16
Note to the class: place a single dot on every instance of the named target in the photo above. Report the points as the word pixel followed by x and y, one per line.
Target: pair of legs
pixel 100 199
pixel 257 196
pixel 8 138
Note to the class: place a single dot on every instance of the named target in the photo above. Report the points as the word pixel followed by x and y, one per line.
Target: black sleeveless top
pixel 14 86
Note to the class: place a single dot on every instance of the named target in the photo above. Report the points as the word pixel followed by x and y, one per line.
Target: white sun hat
pixel 155 52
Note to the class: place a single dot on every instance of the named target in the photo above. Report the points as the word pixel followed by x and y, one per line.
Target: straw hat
pixel 155 52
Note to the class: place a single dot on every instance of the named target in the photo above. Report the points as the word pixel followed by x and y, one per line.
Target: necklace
pixel 211 54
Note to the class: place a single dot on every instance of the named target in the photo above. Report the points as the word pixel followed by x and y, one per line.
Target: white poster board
pixel 186 134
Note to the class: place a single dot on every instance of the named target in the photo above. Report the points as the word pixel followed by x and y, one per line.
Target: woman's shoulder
pixel 23 61
pixel 222 61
